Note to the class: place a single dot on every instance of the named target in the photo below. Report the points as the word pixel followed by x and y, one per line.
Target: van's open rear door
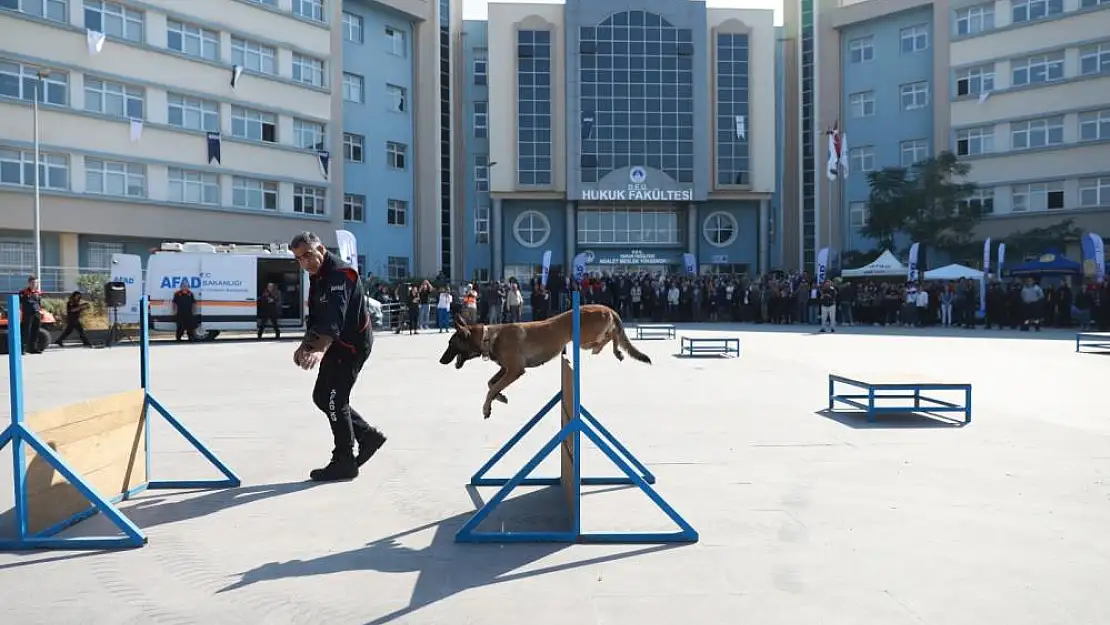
pixel 128 269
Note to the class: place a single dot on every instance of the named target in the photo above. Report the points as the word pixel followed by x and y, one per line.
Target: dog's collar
pixel 487 343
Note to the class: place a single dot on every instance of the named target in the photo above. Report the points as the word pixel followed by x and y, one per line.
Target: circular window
pixel 531 229
pixel 720 229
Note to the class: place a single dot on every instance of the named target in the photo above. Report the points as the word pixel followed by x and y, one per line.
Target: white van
pixel 226 281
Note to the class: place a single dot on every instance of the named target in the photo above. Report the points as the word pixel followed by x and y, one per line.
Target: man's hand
pixel 306 358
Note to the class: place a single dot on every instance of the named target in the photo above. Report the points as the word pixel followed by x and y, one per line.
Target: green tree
pixel 1036 240
pixel 927 202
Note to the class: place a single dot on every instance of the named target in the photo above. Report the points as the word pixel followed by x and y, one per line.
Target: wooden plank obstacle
pixel 575 422
pixel 92 452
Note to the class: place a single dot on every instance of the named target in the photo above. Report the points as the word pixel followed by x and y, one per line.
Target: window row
pixel 911 96
pixel 131 180
pixel 354 151
pixel 980 18
pixel 862 159
pixel 394 40
pixel 108 15
pixel 1034 133
pixel 981 80
pixel 354 209
pixel 911 40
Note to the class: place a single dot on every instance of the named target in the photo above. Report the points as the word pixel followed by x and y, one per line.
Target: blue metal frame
pixel 18 434
pixel 881 392
pixel 709 345
pixel 1092 340
pixel 654 331
pixel 581 423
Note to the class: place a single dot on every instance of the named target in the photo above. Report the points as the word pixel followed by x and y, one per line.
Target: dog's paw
pixel 501 398
pixel 619 356
pixel 486 411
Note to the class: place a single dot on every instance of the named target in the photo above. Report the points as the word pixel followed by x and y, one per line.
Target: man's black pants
pixel 30 323
pixel 337 375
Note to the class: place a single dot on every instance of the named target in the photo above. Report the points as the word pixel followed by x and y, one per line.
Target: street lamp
pixel 40 76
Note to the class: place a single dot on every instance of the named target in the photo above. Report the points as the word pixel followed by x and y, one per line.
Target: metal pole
pixel 38 194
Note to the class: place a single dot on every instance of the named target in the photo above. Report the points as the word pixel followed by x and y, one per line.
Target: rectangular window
pixel 862 104
pixel 623 225
pixel 1086 4
pixel 982 199
pixel 309 135
pixel 22 81
pixel 253 125
pixel 1038 196
pixel 396 155
pixel 193 187
pixel 975 80
pixel 397 268
pixel 533 99
pixel 397 97
pixel 193 40
pixel 353 88
pixel 308 70
pixel 309 9
pixel 54 10
pixel 310 200
pixel 253 56
pixel 915 38
pixel 481 174
pixel 861 159
pixel 114 20
pixel 481 119
pixel 100 254
pixel 1094 192
pixel 395 41
pixel 192 113
pixel 913 151
pixel 972 141
pixel 396 212
pixel 354 208
pixel 1040 68
pixel 481 221
pixel 353 147
pixel 480 66
pixel 1094 59
pixel 113 98
pixel 1032 10
pixel 115 178
pixel 269 3
pixel 253 193
pixel 858 214
pixel 17 167
pixel 1094 126
pixel 352 27
pixel 976 19
pixel 861 50
pixel 915 96
pixel 1037 133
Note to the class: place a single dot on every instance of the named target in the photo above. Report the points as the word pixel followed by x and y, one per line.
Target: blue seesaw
pixel 576 422
pixel 122 418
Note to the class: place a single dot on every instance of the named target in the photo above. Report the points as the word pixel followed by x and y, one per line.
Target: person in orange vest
pixel 30 307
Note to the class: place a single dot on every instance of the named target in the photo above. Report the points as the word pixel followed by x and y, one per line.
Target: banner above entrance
pixel 637 184
pixel 634 257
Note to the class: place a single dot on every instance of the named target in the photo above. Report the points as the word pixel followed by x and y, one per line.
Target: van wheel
pixel 211 335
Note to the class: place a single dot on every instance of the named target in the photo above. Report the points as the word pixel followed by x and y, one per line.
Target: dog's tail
pixel 627 344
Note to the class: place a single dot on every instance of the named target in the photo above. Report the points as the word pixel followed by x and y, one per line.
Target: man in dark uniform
pixel 339 337
pixel 30 306
pixel 184 312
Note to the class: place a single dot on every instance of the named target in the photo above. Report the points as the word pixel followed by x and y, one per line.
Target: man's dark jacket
pixel 338 308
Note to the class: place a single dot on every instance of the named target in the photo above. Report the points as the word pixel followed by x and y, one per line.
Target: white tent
pixel 954 271
pixel 884 266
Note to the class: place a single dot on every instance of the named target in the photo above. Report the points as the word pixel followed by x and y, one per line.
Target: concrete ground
pixel 804 518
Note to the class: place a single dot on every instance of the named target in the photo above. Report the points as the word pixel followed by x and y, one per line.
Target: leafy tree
pixel 927 202
pixel 1037 240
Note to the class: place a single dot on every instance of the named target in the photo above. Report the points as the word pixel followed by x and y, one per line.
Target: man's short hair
pixel 32 278
pixel 306 238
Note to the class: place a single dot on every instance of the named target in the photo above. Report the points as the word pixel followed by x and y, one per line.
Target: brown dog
pixel 519 346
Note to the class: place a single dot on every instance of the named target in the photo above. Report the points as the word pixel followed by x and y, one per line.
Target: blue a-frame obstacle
pixel 581 423
pixel 18 433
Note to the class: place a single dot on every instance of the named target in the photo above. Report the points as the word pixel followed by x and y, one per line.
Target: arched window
pixel 720 229
pixel 531 229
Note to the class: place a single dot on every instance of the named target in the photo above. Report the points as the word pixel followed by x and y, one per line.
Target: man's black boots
pixel 341 467
pixel 369 442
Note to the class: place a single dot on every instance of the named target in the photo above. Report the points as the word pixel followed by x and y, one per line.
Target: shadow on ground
pixel 891 420
pixel 447 568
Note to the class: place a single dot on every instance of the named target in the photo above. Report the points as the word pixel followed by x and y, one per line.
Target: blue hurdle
pixel 18 433
pixel 577 421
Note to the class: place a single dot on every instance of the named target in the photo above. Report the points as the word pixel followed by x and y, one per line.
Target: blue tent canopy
pixel 1050 263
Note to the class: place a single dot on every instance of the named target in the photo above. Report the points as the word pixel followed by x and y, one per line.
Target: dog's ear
pixel 461 326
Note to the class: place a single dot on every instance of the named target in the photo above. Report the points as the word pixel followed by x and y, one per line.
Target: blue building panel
pixel 477 259
pixel 383 68
pixel 728 234
pixel 886 61
pixel 533 227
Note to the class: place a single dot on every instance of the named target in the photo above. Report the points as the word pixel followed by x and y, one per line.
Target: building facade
pixel 636 133
pixel 1016 88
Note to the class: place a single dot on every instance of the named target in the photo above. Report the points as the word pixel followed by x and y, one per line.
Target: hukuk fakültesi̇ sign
pixel 637 190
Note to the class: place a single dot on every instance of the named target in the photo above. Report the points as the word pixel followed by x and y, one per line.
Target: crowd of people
pixel 774 298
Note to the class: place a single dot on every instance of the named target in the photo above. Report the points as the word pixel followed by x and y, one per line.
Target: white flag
pixel 95 40
pixel 741 127
pixel 236 72
pixel 844 154
pixel 348 247
pixel 136 129
pixel 983 96
pixel 834 154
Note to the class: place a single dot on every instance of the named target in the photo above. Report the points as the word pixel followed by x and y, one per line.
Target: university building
pixel 635 132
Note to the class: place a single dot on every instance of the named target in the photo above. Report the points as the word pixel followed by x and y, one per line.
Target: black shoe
pixel 341 467
pixel 368 444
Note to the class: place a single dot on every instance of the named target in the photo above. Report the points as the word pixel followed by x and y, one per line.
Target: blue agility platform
pixel 709 345
pixel 651 331
pixel 19 433
pixel 877 397
pixel 576 423
pixel 1092 341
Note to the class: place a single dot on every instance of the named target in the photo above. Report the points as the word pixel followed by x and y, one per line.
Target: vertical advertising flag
pixel 822 271
pixel 691 263
pixel 911 275
pixel 1001 258
pixel 546 268
pixel 580 266
pixel 1098 250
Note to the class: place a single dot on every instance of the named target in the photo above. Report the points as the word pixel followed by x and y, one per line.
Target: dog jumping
pixel 516 347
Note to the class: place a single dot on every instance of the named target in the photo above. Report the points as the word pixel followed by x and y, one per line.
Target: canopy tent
pixel 1050 263
pixel 885 265
pixel 955 271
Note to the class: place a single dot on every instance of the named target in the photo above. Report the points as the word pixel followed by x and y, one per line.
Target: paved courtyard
pixel 804 519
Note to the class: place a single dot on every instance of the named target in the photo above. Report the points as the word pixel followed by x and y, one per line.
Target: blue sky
pixel 476 9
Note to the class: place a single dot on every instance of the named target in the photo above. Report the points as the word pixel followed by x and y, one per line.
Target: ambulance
pixel 226 281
